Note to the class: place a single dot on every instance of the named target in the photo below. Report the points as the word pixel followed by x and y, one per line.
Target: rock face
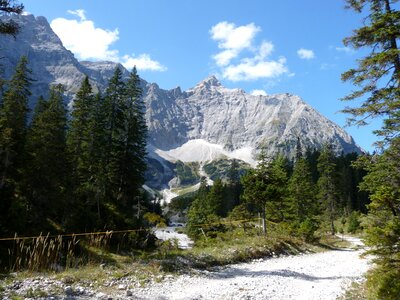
pixel 49 60
pixel 210 118
pixel 236 120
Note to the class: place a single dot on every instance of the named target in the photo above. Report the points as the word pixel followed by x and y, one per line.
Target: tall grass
pixel 57 253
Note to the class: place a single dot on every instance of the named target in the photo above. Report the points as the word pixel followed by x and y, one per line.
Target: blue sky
pixel 261 46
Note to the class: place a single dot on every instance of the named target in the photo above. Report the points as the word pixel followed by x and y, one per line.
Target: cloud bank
pixel 88 42
pixel 240 58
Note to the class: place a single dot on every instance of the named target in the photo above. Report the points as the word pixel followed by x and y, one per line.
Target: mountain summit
pixel 235 120
pixel 206 122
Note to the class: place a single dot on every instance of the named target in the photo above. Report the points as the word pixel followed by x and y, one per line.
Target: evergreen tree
pixel 327 184
pixel 383 226
pixel 377 74
pixel 255 187
pixel 216 198
pixel 200 212
pixel 13 126
pixel 79 134
pixel 8 7
pixel 134 160
pixel 125 148
pixel 277 207
pixel 48 172
pixel 302 193
pixel 86 144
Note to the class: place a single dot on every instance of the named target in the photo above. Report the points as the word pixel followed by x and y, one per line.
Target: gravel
pixel 309 276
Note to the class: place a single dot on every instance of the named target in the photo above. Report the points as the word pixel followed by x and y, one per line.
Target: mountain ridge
pixel 225 122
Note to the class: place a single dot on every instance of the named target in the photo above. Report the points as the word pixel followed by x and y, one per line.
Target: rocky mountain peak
pixel 204 123
pixel 209 82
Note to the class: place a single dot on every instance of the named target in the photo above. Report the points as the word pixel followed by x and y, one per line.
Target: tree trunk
pixel 264 221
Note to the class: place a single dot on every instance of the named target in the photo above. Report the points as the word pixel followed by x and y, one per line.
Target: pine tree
pixel 13 126
pixel 200 212
pixel 377 74
pixel 277 208
pixel 8 7
pixel 327 184
pixel 255 188
pixel 48 171
pixel 134 162
pixel 125 145
pixel 302 192
pixel 216 198
pixel 383 225
pixel 79 134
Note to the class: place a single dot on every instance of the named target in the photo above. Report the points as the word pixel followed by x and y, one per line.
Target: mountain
pixel 49 60
pixel 201 124
pixel 214 119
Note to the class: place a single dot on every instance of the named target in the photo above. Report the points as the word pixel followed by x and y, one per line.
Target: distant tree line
pixel 314 190
pixel 77 171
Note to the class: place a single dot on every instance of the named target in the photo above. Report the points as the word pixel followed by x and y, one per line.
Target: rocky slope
pixel 206 122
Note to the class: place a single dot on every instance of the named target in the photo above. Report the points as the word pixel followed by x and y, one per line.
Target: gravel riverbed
pixel 309 276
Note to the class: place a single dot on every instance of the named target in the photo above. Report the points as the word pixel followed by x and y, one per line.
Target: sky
pixel 261 46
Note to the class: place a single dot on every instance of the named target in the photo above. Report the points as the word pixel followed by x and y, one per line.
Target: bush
pixel 354 223
pixel 383 283
pixel 307 229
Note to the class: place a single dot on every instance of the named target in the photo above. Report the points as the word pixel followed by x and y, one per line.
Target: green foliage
pixel 187 173
pixel 47 175
pixel 354 222
pixel 265 188
pixel 226 170
pixel 302 192
pixel 383 222
pixel 307 229
pixel 13 127
pixel 154 219
pixel 328 186
pixel 383 283
pixel 6 7
pixel 377 74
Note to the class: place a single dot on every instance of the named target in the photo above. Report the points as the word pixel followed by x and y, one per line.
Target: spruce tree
pixel 277 207
pixel 302 192
pixel 48 174
pixel 255 191
pixel 115 106
pixel 327 185
pixel 378 74
pixel 10 7
pixel 13 126
pixel 134 160
pixel 79 133
pixel 383 222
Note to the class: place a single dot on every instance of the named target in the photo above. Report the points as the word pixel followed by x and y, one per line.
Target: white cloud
pixel 142 62
pixel 224 57
pixel 253 69
pixel 89 42
pixel 265 50
pixel 234 66
pixel 258 93
pixel 79 12
pixel 305 53
pixel 232 39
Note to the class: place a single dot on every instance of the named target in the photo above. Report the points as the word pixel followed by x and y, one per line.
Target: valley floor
pixel 324 275
pixel 310 276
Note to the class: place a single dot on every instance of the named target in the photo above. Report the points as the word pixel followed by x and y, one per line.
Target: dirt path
pixel 312 276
